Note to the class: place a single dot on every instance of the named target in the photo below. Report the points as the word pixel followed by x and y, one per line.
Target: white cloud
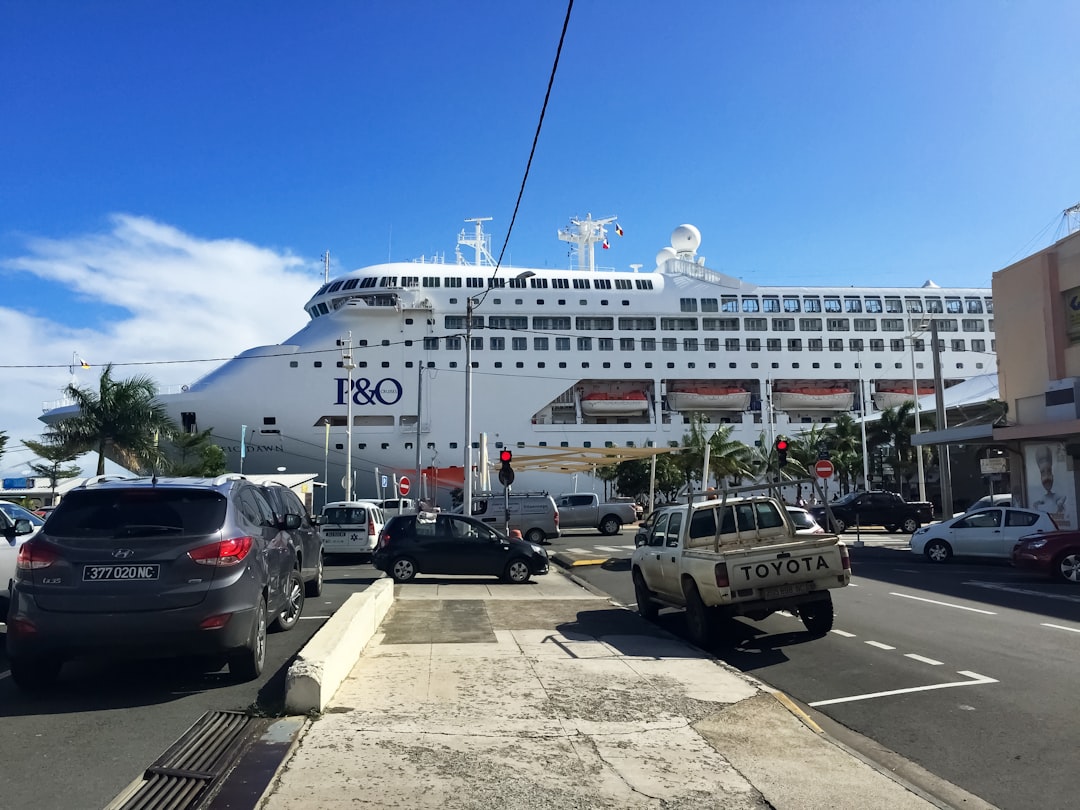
pixel 144 293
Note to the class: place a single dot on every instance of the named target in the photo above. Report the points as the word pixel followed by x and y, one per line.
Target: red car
pixel 1053 553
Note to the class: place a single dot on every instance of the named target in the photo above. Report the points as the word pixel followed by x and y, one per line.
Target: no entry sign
pixel 824 468
pixel 403 485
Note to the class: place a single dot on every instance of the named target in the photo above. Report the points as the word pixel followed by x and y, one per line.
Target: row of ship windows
pixel 647 324
pixel 931 304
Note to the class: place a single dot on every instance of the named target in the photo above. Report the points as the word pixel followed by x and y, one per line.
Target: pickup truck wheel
pixel 646 607
pixel 817 616
pixel 610 525
pixel 891 528
pixel 909 525
pixel 938 551
pixel 697 616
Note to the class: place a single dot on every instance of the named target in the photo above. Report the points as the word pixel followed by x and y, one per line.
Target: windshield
pixel 138 512
pixel 851 496
pixel 802 520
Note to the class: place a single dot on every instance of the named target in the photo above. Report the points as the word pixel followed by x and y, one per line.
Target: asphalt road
pixel 105 722
pixel 967 669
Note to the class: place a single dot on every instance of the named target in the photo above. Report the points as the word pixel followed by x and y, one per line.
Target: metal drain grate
pixel 183 777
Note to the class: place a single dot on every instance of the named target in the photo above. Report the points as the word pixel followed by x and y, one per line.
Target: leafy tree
pixel 845 439
pixel 609 474
pixel 195 454
pixel 57 455
pixel 3 442
pixel 121 421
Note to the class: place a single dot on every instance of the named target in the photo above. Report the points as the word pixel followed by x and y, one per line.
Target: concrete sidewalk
pixel 477 694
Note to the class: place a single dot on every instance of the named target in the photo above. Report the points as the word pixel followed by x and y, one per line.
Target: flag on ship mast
pixel 618 229
pixel 605 246
pixel 83 364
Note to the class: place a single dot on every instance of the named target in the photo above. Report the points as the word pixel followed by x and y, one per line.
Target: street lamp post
pixel 466 506
pixel 918 419
pixel 347 362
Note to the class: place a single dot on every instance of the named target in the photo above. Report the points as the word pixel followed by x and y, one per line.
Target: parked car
pixel 15 532
pixel 155 567
pixel 429 543
pixel 1056 554
pixel 310 543
pixel 1001 499
pixel 534 514
pixel 43 511
pixel 874 508
pixel 987 533
pixel 15 512
pixel 585 510
pixel 351 527
pixel 804 521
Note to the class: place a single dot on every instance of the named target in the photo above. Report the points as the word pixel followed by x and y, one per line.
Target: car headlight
pixel 536 548
pixel 1033 543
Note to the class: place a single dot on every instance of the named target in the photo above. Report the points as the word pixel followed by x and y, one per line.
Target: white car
pixel 1001 499
pixel 986 533
pixel 804 521
pixel 16 527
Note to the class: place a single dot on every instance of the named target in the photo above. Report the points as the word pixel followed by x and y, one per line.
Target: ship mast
pixel 585 234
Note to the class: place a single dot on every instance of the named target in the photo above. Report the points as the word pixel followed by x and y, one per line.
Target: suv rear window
pixel 135 512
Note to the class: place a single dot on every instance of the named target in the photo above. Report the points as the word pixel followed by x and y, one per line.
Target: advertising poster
pixel 1050 483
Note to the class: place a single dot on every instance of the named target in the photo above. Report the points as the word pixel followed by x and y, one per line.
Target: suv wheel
pixel 246 664
pixel 314 587
pixel 294 603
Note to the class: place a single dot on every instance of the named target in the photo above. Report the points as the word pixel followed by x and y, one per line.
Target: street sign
pixel 991 466
pixel 404 485
pixel 823 468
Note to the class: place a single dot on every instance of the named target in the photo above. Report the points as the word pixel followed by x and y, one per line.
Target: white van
pixel 534 514
pixel 351 527
pixel 398 506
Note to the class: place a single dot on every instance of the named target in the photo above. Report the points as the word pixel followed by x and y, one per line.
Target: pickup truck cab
pixel 584 510
pixel 738 556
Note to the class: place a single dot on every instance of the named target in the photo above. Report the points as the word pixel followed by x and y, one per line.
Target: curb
pixel 328 658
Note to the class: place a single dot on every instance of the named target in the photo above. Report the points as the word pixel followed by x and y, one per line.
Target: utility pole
pixel 466 506
pixel 347 362
pixel 942 424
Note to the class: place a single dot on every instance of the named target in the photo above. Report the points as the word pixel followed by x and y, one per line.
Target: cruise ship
pixel 566 367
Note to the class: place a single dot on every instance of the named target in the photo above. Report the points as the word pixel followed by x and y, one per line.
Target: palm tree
pixel 893 429
pixel 845 438
pixel 728 458
pixel 120 420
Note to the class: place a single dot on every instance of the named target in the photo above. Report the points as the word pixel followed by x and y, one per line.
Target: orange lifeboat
pixel 814 399
pixel 603 403
pixel 708 398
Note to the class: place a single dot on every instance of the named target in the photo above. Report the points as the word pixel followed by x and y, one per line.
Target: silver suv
pixel 155 567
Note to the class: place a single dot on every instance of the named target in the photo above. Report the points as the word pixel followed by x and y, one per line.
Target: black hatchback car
pixel 155 567
pixel 430 543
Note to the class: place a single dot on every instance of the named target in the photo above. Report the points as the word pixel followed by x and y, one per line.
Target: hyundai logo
pixel 123 553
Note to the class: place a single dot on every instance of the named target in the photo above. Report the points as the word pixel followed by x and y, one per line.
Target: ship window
pixel 773 344
pixel 540 344
pixel 914 305
pixel 602 284
pixel 648 365
pixel 990 325
pixel 990 306
pixel 584 344
pixel 731 345
pixel 877 345
pixel 293 364
pixel 452 281
pixel 626 344
pixel 812 304
pixel 690 344
pixel 643 283
pixel 334 287
pixel 770 304
pixel 498 344
pixel 814 344
pixel 750 305
pixel 865 325
pixel 454 322
pixel 783 325
pixel 414 281
pixel 498 364
pixel 852 304
pixel 712 344
pixel 679 324
pixel 832 303
pixel 947 325
pixel 973 325
pixel 648 344
pixel 517 283
pixel 453 343
pixel 606 344
pixel 720 324
pixel 473 281
pixel 973 306
pixel 753 344
pixel 562 344
pixel 323 309
pixel 322 289
pixel 893 305
pixel 519 344
pixel 896 345
pixel 710 305
pixel 791 304
pixel 519 364
pixel 978 345
pixel 794 345
pixel 873 305
pixel 958 344
pixel 623 284
pixel 585 365
pixel 954 306
pixel 634 324
pixel 478 343
pixel 837 324
pixel 836 345
pixel 687 305
pixel 388 281
pixel 595 324
pixel 538 283
pixel 856 345
pixel 729 303
pixel 517 322
pixel 809 324
pixel 892 325
pixel 581 283
pixel 756 325
pixel 318 364
pixel 560 283
pixel 431 343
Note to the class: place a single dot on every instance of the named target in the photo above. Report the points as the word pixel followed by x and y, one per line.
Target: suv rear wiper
pixel 146 528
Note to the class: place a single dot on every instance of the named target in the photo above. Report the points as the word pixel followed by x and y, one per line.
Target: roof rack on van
pixel 221 479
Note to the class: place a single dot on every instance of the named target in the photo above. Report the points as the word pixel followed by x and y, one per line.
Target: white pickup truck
pixel 584 510
pixel 736 556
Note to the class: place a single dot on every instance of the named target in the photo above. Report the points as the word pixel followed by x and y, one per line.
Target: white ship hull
pixel 542 339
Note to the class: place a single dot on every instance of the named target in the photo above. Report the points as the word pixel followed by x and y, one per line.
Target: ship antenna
pixel 326 267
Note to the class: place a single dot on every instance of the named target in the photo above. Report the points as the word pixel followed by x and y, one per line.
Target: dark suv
pixel 155 567
pixel 309 547
pixel 432 543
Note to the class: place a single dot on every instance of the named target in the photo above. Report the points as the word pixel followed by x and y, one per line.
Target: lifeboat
pixel 814 399
pixel 708 398
pixel 600 403
pixel 885 398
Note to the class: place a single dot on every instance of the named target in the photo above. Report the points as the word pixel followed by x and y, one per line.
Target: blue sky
pixel 171 173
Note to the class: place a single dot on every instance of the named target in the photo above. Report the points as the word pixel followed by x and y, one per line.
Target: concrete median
pixel 333 651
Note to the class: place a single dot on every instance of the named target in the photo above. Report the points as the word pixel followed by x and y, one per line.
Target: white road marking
pixel 997 586
pixel 944 604
pixel 880 646
pixel 844 633
pixel 1062 627
pixel 320 618
pixel 924 659
pixel 578 550
pixel 975 679
pixel 612 548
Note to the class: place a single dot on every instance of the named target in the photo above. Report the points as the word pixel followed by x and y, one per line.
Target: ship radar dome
pixel 686 238
pixel 928 284
pixel 664 255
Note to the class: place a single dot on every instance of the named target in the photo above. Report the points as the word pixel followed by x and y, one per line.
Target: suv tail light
pixel 223 553
pixel 721 574
pixel 34 556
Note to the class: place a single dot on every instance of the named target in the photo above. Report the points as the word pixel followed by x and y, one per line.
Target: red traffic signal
pixel 781 444
pixel 781 452
pixel 505 456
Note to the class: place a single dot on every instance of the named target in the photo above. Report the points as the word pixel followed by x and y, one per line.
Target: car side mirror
pixel 23 526
pixel 292 521
pixel 640 539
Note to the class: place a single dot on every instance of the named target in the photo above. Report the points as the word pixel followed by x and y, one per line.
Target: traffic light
pixel 781 452
pixel 506 472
